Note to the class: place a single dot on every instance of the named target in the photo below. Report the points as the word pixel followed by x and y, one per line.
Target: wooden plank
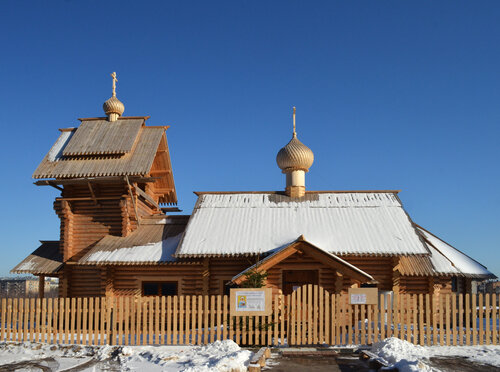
pixel 20 321
pixel 332 316
pixel 55 319
pixel 144 323
pixel 383 317
pixel 181 320
pixel 175 330
pixel 119 318
pixel 487 317
pixel 373 323
pixel 389 299
pixel 481 318
pixel 276 319
pixel 99 321
pixel 269 324
pixel 50 320
pixel 494 334
pixel 126 321
pixel 256 329
pixel 3 323
pixel 212 318
pixel 327 316
pixel 415 319
pixel 362 324
pixel 9 320
pixel 321 323
pixel 133 321
pixel 345 336
pixel 453 299
pixel 15 315
pixel 188 318
pixel 163 310
pixel 67 326
pixel 304 314
pixel 193 320
pixel 356 324
pixel 460 319
pixel 84 320
pixel 72 321
pixel 78 320
pixel 169 320
pixel 150 321
pixel 315 314
pixel 293 311
pixel 309 314
pixel 428 319
pixel 109 325
pixel 283 317
pixel 442 326
pixel 474 320
pixel 218 320
pixel 200 320
pixel 421 307
pixel 298 317
pixel 206 325
pixel 224 318
pixel 448 320
pixel 61 319
pixel 467 319
pixel 250 330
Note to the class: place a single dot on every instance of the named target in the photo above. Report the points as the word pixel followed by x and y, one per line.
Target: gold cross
pixel 294 133
pixel 113 75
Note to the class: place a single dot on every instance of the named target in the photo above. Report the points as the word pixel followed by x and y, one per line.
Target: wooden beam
pixel 147 197
pixel 161 171
pixel 91 198
pixel 92 193
pixel 133 202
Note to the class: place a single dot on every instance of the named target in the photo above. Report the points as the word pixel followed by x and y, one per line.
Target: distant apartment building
pixel 27 287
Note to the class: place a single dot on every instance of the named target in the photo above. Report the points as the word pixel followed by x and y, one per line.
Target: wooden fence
pixel 309 316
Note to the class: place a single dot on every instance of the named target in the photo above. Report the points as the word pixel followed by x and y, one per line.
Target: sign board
pixel 250 301
pixel 363 296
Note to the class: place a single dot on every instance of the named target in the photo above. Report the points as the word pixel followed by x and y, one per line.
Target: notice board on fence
pixel 250 301
pixel 363 296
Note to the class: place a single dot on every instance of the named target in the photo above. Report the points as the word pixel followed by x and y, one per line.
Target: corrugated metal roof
pixel 45 260
pixel 97 137
pixel 446 259
pixel 135 163
pixel 362 223
pixel 149 244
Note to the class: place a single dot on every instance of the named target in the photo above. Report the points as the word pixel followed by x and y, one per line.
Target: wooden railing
pixel 309 316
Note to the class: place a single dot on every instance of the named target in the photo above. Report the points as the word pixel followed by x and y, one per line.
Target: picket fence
pixel 309 316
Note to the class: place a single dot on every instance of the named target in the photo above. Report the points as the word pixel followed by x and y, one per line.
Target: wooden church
pixel 119 234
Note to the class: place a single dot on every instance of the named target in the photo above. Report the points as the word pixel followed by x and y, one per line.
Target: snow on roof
pixel 157 252
pixel 447 259
pixel 337 222
pixel 154 243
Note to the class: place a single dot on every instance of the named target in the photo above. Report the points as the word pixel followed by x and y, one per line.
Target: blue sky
pixel 389 95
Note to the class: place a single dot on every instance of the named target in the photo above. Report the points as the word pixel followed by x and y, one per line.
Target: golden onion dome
pixel 295 156
pixel 113 106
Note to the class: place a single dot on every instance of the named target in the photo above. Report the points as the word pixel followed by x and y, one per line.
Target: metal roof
pixel 137 162
pixel 359 223
pixel 149 244
pixel 45 260
pixel 446 259
pixel 97 137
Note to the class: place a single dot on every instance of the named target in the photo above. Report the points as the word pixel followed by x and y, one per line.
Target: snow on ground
pixel 219 356
pixel 408 357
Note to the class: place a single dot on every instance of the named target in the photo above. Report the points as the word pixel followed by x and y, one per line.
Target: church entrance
pixel 293 279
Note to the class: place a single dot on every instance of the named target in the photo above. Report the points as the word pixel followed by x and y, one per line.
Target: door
pixel 292 279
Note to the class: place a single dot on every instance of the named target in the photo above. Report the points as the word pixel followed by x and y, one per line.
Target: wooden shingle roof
pixel 45 260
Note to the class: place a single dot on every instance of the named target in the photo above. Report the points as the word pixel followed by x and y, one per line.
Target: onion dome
pixel 295 156
pixel 113 106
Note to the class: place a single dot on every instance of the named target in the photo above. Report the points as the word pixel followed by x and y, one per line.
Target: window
pixel 159 288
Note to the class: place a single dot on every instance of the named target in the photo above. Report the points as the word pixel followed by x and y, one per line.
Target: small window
pixel 159 288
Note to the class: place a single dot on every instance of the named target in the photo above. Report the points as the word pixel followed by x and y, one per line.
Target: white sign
pixel 358 298
pixel 250 301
